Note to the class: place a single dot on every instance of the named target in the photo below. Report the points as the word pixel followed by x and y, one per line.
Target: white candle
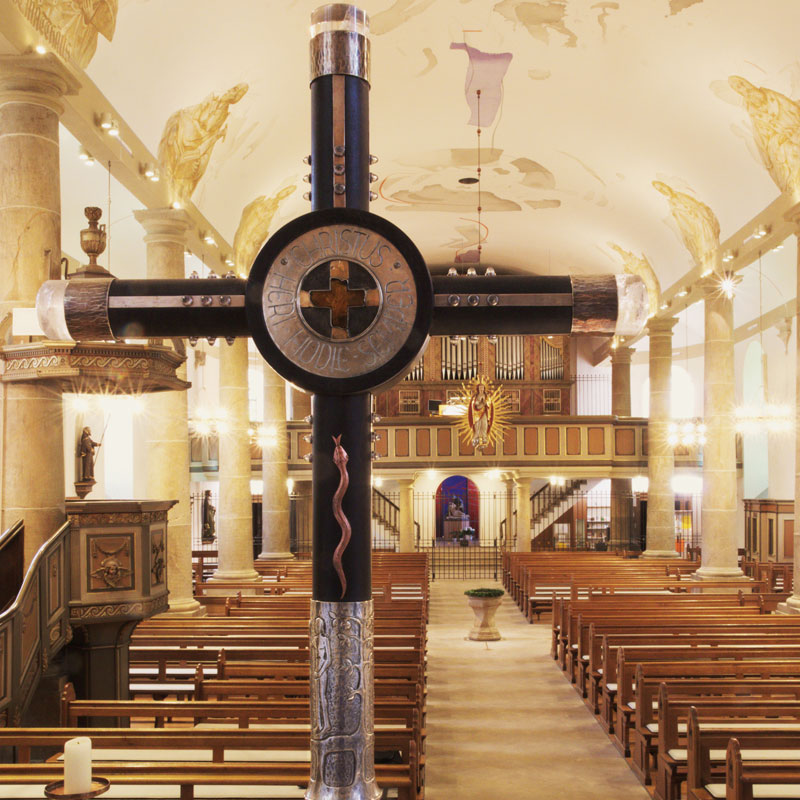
pixel 78 765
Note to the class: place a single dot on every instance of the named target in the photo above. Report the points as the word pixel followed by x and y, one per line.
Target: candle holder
pixel 56 790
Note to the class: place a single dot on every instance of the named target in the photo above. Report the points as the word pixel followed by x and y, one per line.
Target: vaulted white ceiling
pixel 583 105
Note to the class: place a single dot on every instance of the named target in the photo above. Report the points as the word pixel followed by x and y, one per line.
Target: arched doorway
pixel 457 510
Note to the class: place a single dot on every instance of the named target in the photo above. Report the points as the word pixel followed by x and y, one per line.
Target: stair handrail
pixel 33 642
pixel 12 547
pixel 393 516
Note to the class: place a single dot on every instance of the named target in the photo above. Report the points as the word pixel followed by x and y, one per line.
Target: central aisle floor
pixel 503 722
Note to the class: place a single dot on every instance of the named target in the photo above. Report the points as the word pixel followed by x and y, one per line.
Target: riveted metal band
pixel 594 304
pixel 86 309
pixel 340 52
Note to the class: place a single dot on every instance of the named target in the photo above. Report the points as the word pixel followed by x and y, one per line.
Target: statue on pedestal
pixel 209 518
pixel 86 454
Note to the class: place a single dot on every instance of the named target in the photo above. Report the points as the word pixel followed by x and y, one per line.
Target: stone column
pixel 235 528
pixel 523 515
pixel 31 433
pixel 301 404
pixel 167 421
pixel 510 497
pixel 792 605
pixel 405 502
pixel 660 460
pixel 718 516
pixel 275 470
pixel 621 498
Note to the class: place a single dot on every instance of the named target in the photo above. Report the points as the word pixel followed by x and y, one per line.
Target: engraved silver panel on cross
pixel 339 301
pixel 342 702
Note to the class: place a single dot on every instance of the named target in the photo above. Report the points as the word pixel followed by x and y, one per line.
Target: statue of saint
pixel 80 22
pixel 480 415
pixel 209 518
pixel 189 138
pixel 697 223
pixel 86 449
pixel 254 227
pixel 776 126
pixel 639 265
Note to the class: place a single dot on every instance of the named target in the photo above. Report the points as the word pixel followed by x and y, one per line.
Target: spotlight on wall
pixel 149 171
pixel 761 231
pixel 684 290
pixel 208 238
pixel 728 256
pixel 85 156
pixel 490 272
pixel 40 49
pixel 452 272
pixel 471 271
pixel 108 124
pixel 229 262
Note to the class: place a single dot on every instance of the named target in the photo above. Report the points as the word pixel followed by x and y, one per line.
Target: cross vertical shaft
pixel 342 749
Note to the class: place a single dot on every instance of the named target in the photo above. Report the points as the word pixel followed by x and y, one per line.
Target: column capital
pixel 621 355
pixel 661 326
pixel 793 215
pixel 164 224
pixel 711 285
pixel 42 80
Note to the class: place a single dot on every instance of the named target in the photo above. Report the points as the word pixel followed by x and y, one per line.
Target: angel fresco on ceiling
pixel 697 223
pixel 776 129
pixel 79 22
pixel 254 227
pixel 189 137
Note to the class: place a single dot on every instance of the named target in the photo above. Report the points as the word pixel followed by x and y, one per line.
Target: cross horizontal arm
pixel 122 309
pixel 536 304
pixel 530 304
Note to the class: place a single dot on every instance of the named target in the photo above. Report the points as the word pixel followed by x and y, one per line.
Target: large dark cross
pixel 398 311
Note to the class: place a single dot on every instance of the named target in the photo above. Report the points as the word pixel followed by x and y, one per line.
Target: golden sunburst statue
pixel 486 413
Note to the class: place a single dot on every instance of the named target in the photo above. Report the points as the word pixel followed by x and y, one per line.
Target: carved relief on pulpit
pixel 157 558
pixel 697 223
pixel 776 128
pixel 111 565
pixel 188 140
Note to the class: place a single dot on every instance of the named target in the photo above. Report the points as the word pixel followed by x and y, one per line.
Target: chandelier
pixel 686 433
pixel 771 417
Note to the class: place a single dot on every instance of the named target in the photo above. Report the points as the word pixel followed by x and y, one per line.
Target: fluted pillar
pixel 523 515
pixel 405 502
pixel 792 605
pixel 31 433
pixel 275 542
pixel 235 528
pixel 660 457
pixel 621 497
pixel 718 517
pixel 167 420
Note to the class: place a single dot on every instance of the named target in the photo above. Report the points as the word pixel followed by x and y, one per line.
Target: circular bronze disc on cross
pixel 339 301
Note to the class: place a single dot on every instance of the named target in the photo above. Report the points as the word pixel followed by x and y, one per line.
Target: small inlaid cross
pixel 339 298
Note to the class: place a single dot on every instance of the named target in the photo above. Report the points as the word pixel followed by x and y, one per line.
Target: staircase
pixel 34 625
pixel 552 502
pixel 385 522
